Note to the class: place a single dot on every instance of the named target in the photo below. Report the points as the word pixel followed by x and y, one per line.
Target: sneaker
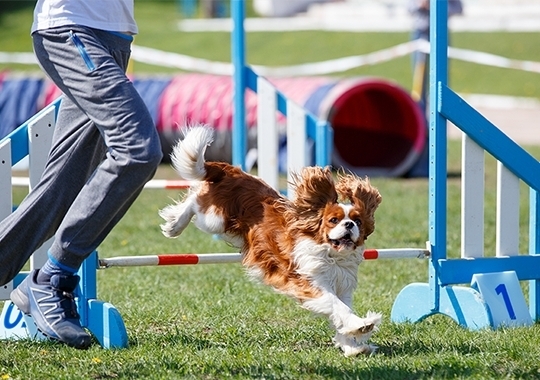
pixel 53 308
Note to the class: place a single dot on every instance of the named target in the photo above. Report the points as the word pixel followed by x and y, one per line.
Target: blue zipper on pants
pixel 82 51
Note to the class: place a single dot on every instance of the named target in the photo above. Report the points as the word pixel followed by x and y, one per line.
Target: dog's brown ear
pixel 360 192
pixel 368 195
pixel 314 188
pixel 355 189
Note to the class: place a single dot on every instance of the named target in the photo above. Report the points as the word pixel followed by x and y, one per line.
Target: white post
pixel 507 241
pixel 40 132
pixel 296 142
pixel 267 133
pixel 6 196
pixel 472 199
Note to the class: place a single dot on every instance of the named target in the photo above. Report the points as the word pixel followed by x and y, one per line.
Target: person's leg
pixel 102 90
pixel 76 151
pixel 88 66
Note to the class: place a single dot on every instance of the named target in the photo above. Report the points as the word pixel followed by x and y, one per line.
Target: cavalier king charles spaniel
pixel 308 247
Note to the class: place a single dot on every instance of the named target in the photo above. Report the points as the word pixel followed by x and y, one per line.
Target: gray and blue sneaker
pixel 53 308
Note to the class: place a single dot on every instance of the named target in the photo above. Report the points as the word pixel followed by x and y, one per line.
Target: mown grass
pixel 212 322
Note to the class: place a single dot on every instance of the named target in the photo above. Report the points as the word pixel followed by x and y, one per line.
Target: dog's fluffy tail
pixel 188 155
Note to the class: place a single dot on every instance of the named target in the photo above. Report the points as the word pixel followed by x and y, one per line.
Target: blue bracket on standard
pixel 464 305
pixel 493 300
pixel 101 318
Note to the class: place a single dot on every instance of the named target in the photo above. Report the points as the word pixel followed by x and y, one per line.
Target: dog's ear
pixel 314 188
pixel 355 189
pixel 361 193
pixel 368 195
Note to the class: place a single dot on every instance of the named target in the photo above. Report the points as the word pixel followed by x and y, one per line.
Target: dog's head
pixel 338 213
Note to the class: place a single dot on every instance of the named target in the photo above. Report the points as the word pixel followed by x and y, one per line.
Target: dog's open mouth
pixel 345 242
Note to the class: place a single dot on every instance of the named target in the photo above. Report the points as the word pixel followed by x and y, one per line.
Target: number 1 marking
pixel 501 289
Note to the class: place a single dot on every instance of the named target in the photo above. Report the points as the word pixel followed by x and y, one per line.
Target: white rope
pixel 179 61
pixel 187 63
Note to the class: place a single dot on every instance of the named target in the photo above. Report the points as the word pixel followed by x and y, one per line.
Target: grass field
pixel 211 322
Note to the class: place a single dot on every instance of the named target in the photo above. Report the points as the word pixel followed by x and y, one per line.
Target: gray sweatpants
pixel 105 148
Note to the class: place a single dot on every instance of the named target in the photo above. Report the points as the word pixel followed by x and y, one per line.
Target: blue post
pixel 101 318
pixel 323 143
pixel 534 249
pixel 188 7
pixel 437 144
pixel 239 133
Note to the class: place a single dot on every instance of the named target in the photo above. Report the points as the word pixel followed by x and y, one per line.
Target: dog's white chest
pixel 316 262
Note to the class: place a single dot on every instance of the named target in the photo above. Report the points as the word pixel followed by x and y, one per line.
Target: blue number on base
pixel 501 289
pixel 8 324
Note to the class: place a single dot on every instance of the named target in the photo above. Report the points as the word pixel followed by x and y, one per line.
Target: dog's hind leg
pixel 178 216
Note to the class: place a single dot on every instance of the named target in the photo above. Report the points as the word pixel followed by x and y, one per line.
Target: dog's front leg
pixel 353 345
pixel 352 331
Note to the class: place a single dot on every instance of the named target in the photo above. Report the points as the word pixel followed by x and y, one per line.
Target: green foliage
pixel 10 6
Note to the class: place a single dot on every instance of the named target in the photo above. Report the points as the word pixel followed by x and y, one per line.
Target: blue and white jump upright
pixel 495 297
pixel 302 126
pixel 33 140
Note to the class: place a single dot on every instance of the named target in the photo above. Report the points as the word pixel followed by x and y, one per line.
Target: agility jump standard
pixel 495 297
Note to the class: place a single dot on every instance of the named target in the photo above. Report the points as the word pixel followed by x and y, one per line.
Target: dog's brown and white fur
pixel 308 248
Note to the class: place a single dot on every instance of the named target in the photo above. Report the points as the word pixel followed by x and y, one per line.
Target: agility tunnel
pixel 378 129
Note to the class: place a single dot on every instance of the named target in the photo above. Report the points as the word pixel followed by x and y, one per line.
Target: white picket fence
pixel 32 139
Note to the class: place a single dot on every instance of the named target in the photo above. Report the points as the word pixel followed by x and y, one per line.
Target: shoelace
pixel 69 306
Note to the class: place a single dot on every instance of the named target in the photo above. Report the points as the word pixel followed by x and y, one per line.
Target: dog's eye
pixel 358 222
pixel 334 220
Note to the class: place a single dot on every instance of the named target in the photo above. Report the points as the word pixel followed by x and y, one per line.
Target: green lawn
pixel 211 322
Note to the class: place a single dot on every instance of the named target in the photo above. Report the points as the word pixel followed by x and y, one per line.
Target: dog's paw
pixel 364 349
pixel 361 328
pixel 350 347
pixel 373 318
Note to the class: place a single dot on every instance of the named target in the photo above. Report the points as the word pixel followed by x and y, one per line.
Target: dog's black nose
pixel 349 225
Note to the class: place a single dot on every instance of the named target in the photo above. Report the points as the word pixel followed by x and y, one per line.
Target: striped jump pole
pixel 223 258
pixel 152 184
